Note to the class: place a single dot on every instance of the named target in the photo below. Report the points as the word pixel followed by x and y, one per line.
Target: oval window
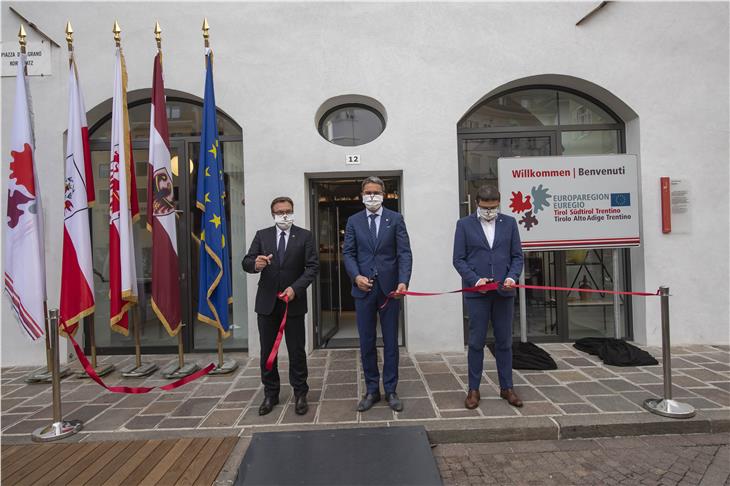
pixel 351 125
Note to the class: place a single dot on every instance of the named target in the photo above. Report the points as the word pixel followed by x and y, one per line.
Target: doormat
pixel 362 456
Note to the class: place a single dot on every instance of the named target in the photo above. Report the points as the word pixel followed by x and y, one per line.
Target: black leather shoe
pixel 300 405
pixel 368 401
pixel 394 402
pixel 268 405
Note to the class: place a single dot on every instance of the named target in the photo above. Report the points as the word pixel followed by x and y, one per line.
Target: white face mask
pixel 487 214
pixel 372 201
pixel 284 221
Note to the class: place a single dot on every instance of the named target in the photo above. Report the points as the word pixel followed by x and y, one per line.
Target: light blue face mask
pixel 488 214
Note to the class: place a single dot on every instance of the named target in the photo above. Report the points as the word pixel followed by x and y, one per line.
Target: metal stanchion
pixel 44 375
pixel 224 367
pixel 59 428
pixel 666 406
pixel 523 308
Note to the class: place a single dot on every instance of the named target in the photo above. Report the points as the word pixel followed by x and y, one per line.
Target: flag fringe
pixel 73 322
pixel 172 332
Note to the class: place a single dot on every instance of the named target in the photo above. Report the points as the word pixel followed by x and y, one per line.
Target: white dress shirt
pixel 286 236
pixel 489 227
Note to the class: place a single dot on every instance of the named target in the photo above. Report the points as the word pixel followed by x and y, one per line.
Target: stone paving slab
pixel 583 398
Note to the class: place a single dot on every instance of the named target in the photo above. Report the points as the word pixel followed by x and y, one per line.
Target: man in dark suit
pixel 378 259
pixel 284 255
pixel 487 248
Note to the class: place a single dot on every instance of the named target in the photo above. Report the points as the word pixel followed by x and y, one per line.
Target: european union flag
pixel 214 283
pixel 620 199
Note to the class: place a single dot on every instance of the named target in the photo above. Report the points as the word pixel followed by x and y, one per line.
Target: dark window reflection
pixel 351 125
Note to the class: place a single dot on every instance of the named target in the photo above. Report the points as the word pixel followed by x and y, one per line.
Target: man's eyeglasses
pixel 283 213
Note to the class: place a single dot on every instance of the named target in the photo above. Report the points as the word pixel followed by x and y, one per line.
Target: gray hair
pixel 488 193
pixel 373 180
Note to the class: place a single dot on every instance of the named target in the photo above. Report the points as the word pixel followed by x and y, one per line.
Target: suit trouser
pixel 499 310
pixel 367 309
pixel 295 340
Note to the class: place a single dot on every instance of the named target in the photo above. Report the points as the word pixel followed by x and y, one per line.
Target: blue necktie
pixel 373 228
pixel 282 247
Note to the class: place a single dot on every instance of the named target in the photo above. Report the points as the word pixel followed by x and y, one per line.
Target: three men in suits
pixel 378 259
pixel 285 256
pixel 487 248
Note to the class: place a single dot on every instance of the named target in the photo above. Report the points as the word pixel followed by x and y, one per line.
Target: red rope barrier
pixel 131 389
pixel 496 285
pixel 280 335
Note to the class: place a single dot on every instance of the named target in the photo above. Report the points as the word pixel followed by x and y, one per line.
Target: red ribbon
pixel 496 285
pixel 131 389
pixel 280 335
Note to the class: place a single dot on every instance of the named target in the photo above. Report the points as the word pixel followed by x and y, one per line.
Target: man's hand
pixel 363 283
pixel 483 281
pixel 508 283
pixel 288 292
pixel 399 290
pixel 262 262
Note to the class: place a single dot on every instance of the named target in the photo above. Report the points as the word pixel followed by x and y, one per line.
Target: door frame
pixel 311 180
pixel 464 205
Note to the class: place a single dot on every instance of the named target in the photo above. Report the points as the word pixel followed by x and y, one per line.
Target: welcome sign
pixel 573 201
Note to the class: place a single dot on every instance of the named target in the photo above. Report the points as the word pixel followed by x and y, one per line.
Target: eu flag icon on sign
pixel 214 283
pixel 620 199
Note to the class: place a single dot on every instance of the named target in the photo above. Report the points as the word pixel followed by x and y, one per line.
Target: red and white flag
pixel 25 268
pixel 123 206
pixel 161 217
pixel 77 277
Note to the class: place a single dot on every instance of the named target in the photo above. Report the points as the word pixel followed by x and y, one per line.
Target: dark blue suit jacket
pixel 389 258
pixel 474 259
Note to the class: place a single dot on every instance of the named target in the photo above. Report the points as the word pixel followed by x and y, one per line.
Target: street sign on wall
pixel 565 202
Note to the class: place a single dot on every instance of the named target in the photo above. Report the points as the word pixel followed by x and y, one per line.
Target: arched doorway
pixel 184 118
pixel 544 120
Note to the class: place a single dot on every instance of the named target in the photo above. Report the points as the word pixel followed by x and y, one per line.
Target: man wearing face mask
pixel 487 248
pixel 284 255
pixel 377 254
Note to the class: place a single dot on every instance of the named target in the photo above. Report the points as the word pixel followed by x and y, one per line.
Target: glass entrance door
pixel 333 201
pixel 153 335
pixel 479 155
pixel 197 336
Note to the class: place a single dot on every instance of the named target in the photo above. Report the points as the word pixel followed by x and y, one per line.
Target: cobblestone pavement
pixel 649 460
pixel 432 386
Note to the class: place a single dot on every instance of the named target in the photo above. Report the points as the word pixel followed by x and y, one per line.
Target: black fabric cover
pixel 615 352
pixel 528 356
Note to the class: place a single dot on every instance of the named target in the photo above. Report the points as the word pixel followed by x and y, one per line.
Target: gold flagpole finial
pixel 158 35
pixel 117 34
pixel 21 38
pixel 206 35
pixel 69 36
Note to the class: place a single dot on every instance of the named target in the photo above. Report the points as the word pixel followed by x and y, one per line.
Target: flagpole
pixel 140 369
pixel 41 375
pixel 104 370
pixel 181 370
pixel 224 367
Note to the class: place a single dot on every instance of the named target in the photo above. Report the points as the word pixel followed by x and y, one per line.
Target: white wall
pixel 427 63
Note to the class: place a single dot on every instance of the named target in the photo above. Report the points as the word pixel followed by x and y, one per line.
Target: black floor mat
pixel 362 456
